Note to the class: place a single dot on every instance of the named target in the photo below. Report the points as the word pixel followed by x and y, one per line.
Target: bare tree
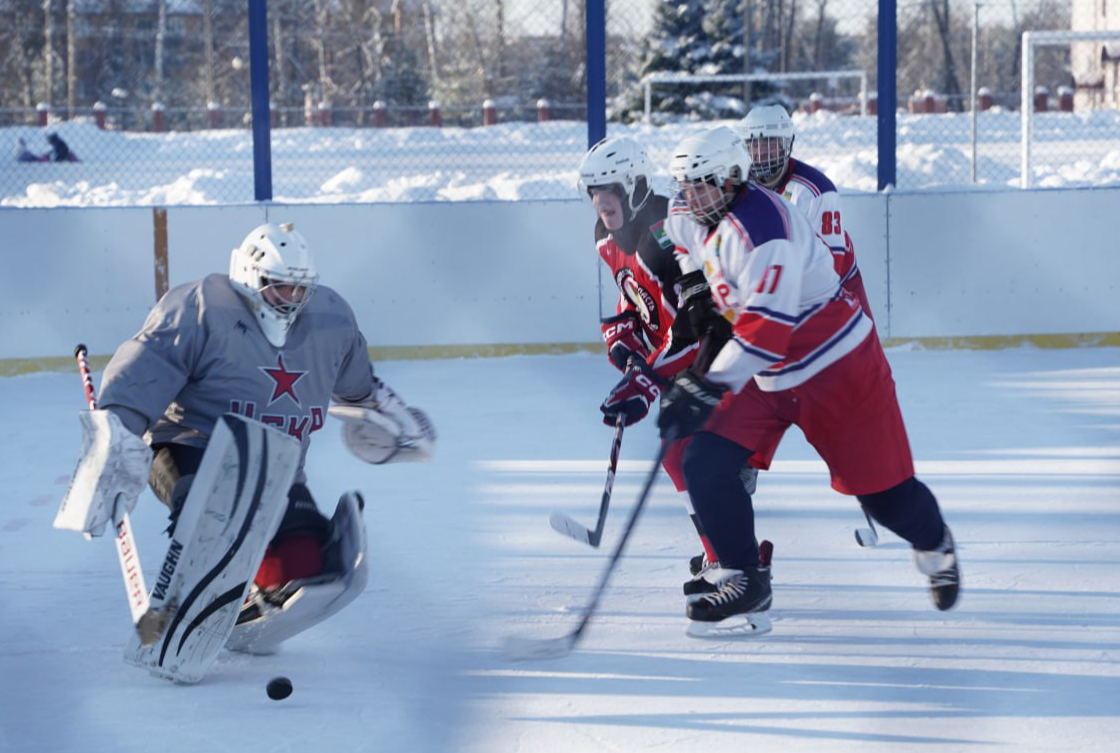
pixel 787 43
pixel 71 60
pixel 48 48
pixel 208 48
pixel 430 38
pixel 940 11
pixel 161 39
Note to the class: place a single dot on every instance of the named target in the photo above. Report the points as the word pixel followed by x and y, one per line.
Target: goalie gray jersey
pixel 200 354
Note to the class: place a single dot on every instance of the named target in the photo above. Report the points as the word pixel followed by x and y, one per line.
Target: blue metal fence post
pixel 888 91
pixel 258 85
pixel 596 71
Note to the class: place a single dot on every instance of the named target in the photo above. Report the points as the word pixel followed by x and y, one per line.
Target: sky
pixel 1019 445
pixel 529 161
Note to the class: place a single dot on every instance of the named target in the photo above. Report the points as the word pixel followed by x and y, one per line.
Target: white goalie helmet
pixel 768 132
pixel 622 162
pixel 274 270
pixel 711 168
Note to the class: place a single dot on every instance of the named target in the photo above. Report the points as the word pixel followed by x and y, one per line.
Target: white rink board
pixel 1004 263
pixel 73 275
pixel 477 273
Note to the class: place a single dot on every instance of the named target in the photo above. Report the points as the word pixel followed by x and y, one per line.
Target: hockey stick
pixel 567 525
pixel 867 536
pixel 521 649
pixel 149 624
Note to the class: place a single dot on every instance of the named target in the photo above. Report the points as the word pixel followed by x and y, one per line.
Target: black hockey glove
pixel 697 305
pixel 623 336
pixel 687 405
pixel 632 397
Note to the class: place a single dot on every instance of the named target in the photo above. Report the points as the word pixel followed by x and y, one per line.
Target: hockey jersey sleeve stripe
pixel 778 316
pixel 763 312
pixel 737 362
pixel 753 347
pixel 757 351
pixel 807 183
pixel 807 360
pixel 769 336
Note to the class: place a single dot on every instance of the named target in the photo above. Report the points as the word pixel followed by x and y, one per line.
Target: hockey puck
pixel 279 688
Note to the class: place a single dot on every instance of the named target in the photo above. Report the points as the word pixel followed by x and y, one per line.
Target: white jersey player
pixel 768 133
pixel 799 350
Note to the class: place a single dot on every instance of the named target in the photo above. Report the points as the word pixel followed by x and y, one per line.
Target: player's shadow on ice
pixel 951 694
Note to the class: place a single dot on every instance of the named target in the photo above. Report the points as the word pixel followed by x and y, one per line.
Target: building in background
pixel 1096 65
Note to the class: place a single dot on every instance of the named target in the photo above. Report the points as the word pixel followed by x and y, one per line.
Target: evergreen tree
pixel 698 37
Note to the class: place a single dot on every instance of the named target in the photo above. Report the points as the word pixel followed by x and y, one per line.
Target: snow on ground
pixel 1021 446
pixel 526 161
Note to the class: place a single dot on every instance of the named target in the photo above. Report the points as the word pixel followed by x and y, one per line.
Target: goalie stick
pixel 150 624
pixel 521 649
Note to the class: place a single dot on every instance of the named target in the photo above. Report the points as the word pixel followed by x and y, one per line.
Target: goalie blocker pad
pixel 112 472
pixel 271 617
pixel 232 511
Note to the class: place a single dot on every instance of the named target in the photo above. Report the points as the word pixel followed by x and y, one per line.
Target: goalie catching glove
pixel 385 430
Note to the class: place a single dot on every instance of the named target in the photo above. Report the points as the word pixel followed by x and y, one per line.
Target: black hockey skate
pixel 749 476
pixel 698 585
pixel 943 569
pixel 696 565
pixel 738 605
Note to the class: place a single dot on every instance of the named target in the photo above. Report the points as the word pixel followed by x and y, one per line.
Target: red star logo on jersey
pixel 285 380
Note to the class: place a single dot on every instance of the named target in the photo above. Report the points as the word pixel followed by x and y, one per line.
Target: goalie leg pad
pixel 231 512
pixel 273 616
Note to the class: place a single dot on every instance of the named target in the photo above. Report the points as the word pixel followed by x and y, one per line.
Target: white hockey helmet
pixel 622 162
pixel 768 131
pixel 274 270
pixel 713 159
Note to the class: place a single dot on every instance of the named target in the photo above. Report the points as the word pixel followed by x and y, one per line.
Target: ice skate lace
pixel 735 587
pixel 944 578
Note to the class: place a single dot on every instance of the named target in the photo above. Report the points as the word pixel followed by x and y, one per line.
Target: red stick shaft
pixel 81 354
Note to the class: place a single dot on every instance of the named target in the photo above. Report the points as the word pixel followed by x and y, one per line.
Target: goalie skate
pixel 234 506
pixel 272 616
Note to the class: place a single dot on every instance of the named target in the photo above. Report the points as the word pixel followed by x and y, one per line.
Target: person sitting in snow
pixel 60 150
pixel 23 154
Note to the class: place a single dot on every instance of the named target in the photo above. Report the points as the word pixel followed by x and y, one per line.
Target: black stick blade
pixel 866 537
pixel 572 529
pixel 538 649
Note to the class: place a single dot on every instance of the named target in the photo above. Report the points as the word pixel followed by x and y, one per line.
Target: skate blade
pixel 747 625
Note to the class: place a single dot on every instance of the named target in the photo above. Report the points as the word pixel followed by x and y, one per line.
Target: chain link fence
pixel 406 100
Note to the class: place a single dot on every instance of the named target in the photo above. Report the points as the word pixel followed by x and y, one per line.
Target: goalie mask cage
pixel 1031 40
pixel 648 82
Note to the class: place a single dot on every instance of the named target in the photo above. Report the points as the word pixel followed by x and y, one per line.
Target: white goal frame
pixel 1032 39
pixel 697 78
